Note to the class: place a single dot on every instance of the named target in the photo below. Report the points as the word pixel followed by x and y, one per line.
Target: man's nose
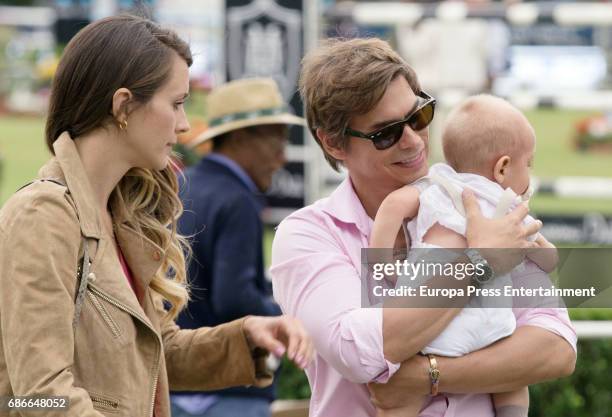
pixel 409 138
pixel 281 152
pixel 282 157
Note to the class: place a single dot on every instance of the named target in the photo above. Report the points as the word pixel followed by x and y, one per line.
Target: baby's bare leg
pixel 512 404
pixel 411 406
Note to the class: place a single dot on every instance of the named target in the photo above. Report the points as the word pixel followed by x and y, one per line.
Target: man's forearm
pixel 531 355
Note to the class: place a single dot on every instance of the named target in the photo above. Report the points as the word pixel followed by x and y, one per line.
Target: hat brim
pixel 283 119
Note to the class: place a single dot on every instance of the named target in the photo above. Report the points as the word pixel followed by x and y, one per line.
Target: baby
pixel 489 147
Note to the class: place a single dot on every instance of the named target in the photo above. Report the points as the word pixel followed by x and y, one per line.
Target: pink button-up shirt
pixel 316 261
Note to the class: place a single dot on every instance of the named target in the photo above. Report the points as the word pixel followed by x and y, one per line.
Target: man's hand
pixel 279 335
pixel 411 378
pixel 505 237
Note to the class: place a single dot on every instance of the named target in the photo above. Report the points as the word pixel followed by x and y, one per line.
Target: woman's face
pixel 153 127
pixel 402 163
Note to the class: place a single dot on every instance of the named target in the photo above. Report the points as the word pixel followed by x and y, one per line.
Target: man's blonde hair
pixel 480 130
pixel 344 78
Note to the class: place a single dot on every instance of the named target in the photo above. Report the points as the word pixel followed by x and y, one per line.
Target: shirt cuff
pixel 555 320
pixel 364 329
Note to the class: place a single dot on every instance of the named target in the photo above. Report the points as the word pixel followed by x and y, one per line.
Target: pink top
pixel 126 270
pixel 130 278
pixel 316 261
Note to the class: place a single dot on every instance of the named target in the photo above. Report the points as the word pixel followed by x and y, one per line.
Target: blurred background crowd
pixel 552 59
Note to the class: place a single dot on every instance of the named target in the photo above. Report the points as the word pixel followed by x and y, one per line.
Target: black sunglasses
pixel 388 136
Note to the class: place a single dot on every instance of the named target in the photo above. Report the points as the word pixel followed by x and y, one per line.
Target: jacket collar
pixel 67 166
pixel 344 205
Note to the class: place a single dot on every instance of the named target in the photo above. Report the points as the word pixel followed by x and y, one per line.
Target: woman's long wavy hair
pixel 135 53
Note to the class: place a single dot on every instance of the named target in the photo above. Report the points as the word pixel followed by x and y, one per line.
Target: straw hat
pixel 243 103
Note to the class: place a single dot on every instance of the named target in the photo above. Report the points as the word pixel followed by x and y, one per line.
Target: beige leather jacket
pixel 120 352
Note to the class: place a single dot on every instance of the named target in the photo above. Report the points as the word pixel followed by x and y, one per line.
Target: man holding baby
pixel 367 112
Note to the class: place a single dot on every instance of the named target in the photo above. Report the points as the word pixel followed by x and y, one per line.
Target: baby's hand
pixel 540 241
pixel 545 255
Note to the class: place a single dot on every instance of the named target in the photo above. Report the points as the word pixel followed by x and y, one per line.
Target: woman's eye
pixel 177 105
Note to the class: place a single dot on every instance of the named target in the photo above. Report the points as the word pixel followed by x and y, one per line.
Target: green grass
pixel 23 152
pixel 548 204
pixel 555 155
pixel 590 313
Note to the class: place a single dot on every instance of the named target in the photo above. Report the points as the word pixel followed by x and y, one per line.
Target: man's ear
pixel 500 169
pixel 332 149
pixel 121 100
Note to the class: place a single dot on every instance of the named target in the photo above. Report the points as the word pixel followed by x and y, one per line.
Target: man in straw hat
pixel 248 126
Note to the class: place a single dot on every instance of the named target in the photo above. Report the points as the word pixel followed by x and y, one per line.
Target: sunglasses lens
pixel 422 118
pixel 389 136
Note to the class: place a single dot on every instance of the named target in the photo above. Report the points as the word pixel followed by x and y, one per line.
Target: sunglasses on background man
pixel 389 135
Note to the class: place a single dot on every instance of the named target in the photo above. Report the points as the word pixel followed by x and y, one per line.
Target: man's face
pixel 266 149
pixel 402 163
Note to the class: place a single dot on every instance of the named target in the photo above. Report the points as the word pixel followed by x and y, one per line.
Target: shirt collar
pixel 235 168
pixel 344 205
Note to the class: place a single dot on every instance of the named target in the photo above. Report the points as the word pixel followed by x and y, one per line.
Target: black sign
pixel 264 38
pixel 287 189
pixel 552 34
pixel 593 228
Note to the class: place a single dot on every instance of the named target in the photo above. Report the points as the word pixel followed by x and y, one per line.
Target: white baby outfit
pixel 440 202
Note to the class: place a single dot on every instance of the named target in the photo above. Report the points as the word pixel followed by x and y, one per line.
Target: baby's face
pixel 517 177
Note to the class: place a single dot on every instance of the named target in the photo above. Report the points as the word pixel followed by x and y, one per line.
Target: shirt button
pixel 91 277
pixel 156 255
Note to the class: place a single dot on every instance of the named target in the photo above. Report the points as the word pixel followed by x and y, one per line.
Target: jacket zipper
pixel 154 389
pixel 104 402
pixel 138 316
pixel 105 315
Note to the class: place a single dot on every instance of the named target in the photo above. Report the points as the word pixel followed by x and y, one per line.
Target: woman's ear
pixel 331 148
pixel 121 99
pixel 500 169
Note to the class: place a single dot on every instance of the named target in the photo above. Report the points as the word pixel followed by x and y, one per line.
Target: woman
pixel 102 333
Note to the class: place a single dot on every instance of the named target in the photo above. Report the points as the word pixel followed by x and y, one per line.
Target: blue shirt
pixel 235 168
